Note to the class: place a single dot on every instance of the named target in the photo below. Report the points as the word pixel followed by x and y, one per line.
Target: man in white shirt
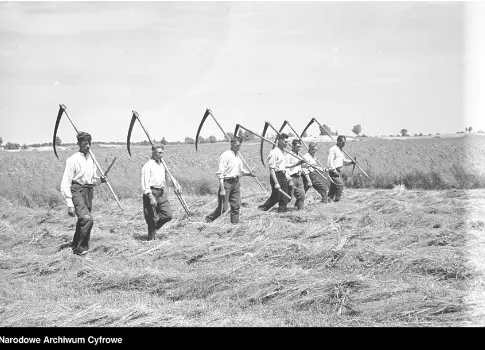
pixel 77 189
pixel 294 168
pixel 312 178
pixel 336 160
pixel 154 183
pixel 230 169
pixel 279 177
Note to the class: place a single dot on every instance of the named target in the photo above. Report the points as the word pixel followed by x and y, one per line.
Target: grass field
pixel 393 252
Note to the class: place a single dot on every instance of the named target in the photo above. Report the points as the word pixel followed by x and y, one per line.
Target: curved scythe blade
pixel 310 123
pixel 130 129
pixel 206 114
pixel 59 116
pixel 236 129
pixel 279 132
pixel 262 141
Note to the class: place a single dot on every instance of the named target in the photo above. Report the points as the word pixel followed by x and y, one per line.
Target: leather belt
pixel 84 186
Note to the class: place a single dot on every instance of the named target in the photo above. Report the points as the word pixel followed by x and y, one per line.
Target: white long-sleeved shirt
pixel 312 161
pixel 153 175
pixel 336 158
pixel 290 160
pixel 277 160
pixel 81 169
pixel 230 165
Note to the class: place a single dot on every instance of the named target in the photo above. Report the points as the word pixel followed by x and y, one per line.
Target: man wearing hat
pixel 336 160
pixel 278 176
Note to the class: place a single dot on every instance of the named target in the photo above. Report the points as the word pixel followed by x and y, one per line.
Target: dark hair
pixel 341 138
pixel 235 139
pixel 83 136
pixel 296 141
pixel 157 145
pixel 282 136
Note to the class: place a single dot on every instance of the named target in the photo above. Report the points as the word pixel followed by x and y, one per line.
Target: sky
pixel 384 65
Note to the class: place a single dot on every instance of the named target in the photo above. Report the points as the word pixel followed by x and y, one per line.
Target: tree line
pixel 324 130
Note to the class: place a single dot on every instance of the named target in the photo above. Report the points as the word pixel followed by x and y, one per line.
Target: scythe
pixel 206 114
pixel 326 131
pixel 134 117
pixel 323 173
pixel 239 126
pixel 62 110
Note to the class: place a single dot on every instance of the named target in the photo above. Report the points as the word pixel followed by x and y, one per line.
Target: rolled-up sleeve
pixel 332 158
pixel 272 160
pixel 145 179
pixel 66 183
pixel 222 167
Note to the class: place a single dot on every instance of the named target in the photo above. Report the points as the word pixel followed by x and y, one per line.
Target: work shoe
pixel 80 253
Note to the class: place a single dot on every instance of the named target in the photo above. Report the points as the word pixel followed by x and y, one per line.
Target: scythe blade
pixel 59 116
pixel 130 129
pixel 236 129
pixel 262 141
pixel 304 130
pixel 279 132
pixel 206 114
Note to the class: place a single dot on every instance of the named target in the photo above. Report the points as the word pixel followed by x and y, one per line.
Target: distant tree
pixel 24 146
pixel 466 129
pixel 480 131
pixel 437 133
pixel 290 134
pixel 202 140
pixel 230 135
pixel 247 136
pixel 335 133
pixel 10 145
pixel 404 132
pixel 1 141
pixel 189 140
pixel 304 134
pixel 357 129
pixel 212 139
pixel 470 129
pixel 58 141
pixel 163 141
pixel 323 128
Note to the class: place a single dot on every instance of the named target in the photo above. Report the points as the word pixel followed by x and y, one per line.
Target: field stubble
pixel 397 257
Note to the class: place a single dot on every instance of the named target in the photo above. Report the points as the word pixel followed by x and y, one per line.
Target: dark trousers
pixel 82 198
pixel 156 215
pixel 336 189
pixel 297 191
pixel 318 184
pixel 276 196
pixel 232 197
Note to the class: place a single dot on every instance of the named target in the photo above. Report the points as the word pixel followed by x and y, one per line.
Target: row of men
pixel 287 173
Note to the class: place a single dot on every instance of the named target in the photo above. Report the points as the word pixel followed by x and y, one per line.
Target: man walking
pixel 77 189
pixel 279 176
pixel 336 160
pixel 230 170
pixel 312 178
pixel 154 183
pixel 294 167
